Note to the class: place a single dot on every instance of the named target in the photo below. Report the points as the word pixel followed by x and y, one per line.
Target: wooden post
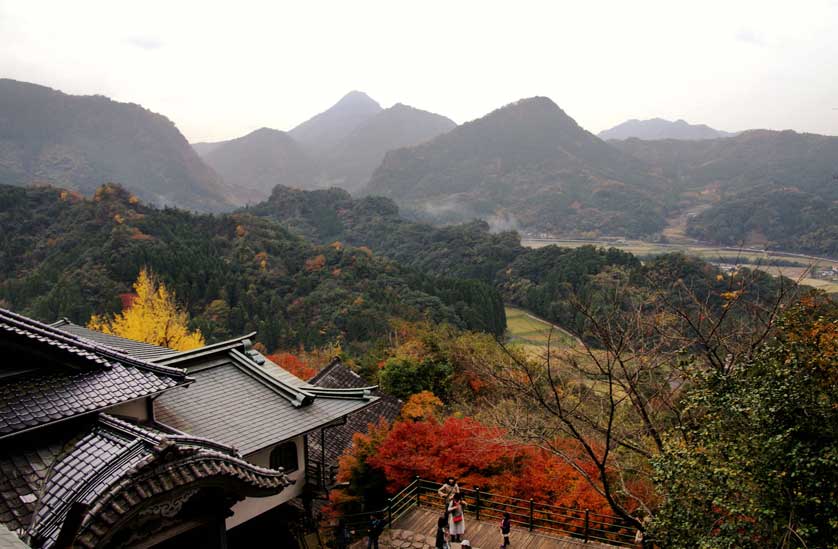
pixel 587 523
pixel 418 482
pixel 477 505
pixel 532 515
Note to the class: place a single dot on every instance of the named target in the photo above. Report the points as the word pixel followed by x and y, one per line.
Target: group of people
pixel 451 526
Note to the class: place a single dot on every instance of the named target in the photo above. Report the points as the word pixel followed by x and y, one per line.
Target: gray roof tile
pixel 228 404
pixel 136 349
pixel 66 375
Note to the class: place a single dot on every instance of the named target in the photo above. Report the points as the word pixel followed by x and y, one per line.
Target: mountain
pixel 526 164
pixel 81 142
pixel 327 129
pixel 768 188
pixel 252 165
pixel 206 147
pixel 658 128
pixel 352 161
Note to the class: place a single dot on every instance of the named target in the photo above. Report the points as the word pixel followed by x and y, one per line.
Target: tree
pixel 152 317
pixel 759 467
pixel 402 377
pixel 293 364
pixel 421 406
pixel 618 394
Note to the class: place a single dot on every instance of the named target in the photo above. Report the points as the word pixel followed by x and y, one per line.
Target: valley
pixel 801 267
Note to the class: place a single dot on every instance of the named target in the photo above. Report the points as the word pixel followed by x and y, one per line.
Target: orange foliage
pixel 423 405
pixel 480 456
pixel 315 263
pixel 293 364
pixel 137 234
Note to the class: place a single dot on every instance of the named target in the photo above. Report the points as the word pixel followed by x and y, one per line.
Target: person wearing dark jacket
pixel 441 533
pixel 505 527
pixel 377 525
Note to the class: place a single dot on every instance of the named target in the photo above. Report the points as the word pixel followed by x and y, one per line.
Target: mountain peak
pixel 356 97
pixel 328 128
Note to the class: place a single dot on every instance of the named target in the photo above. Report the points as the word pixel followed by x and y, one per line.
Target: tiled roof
pixel 22 473
pixel 92 460
pixel 138 349
pixel 51 375
pixel 337 439
pixel 252 406
pixel 32 400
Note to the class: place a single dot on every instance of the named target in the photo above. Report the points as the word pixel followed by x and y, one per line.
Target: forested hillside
pixel 546 281
pixel 82 142
pixel 528 164
pixel 777 189
pixel 64 255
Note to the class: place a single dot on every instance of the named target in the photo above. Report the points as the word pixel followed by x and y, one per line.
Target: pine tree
pixel 152 317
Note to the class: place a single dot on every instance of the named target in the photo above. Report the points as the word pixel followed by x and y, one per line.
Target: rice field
pixel 527 329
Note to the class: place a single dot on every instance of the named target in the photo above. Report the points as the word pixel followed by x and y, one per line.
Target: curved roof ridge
pixel 84 347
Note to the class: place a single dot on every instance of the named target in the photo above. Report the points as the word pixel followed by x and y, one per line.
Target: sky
pixel 222 69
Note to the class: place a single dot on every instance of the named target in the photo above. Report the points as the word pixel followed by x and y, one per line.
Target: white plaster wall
pixel 253 507
pixel 135 409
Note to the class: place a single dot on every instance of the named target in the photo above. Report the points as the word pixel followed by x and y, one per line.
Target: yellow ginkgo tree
pixel 152 317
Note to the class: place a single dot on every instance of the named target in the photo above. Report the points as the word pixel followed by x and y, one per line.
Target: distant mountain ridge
pixel 658 128
pixel 81 142
pixel 341 147
pixel 254 164
pixel 530 164
pixel 351 162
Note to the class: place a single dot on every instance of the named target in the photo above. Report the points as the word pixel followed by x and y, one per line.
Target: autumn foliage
pixel 477 455
pixel 294 365
pixel 151 316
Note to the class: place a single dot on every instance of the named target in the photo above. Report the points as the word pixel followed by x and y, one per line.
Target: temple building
pixel 108 442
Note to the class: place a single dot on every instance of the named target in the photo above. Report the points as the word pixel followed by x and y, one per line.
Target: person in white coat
pixel 456 518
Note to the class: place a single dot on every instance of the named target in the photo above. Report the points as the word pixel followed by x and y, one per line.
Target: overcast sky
pixel 220 70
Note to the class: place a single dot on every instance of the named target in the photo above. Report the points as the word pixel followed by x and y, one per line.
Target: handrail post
pixel 587 523
pixel 418 482
pixel 532 510
pixel 477 506
pixel 390 512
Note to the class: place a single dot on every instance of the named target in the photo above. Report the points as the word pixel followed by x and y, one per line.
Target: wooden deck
pixel 485 535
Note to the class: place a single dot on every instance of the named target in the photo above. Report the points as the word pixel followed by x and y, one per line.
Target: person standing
pixel 441 533
pixel 456 518
pixel 343 537
pixel 448 490
pixel 376 528
pixel 505 527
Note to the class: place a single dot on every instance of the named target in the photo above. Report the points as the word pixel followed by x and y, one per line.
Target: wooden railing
pixel 552 520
